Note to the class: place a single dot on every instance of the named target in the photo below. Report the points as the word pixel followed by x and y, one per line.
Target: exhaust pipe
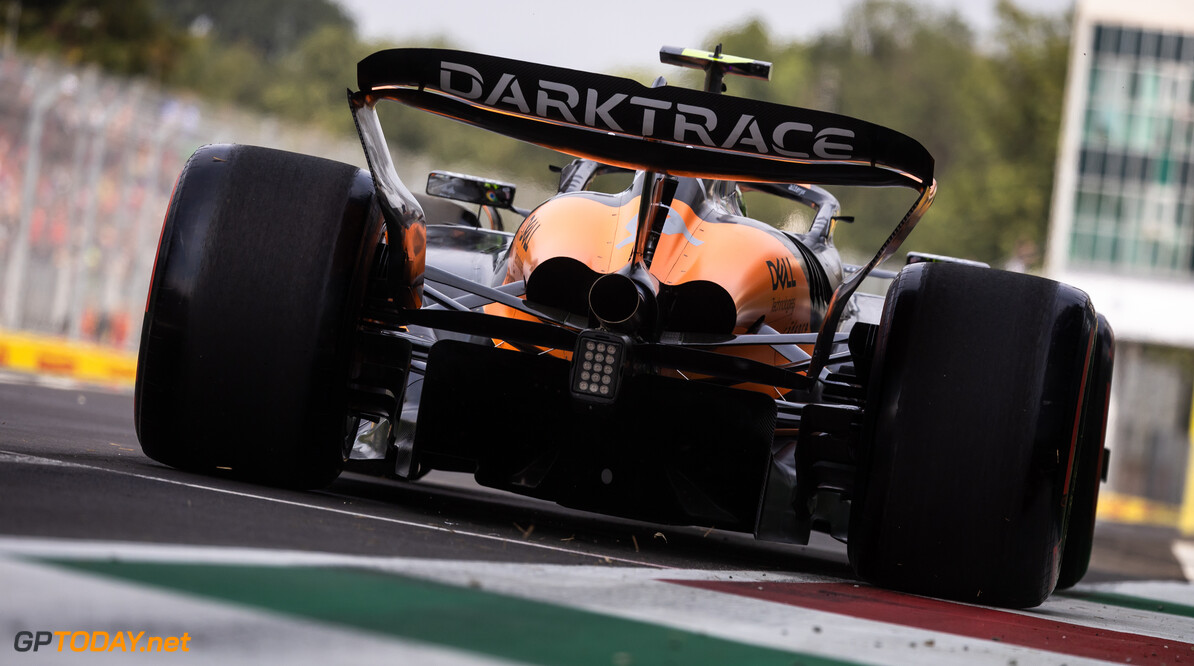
pixel 622 303
pixel 627 301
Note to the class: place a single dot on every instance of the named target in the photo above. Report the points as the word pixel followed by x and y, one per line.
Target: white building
pixel 1122 229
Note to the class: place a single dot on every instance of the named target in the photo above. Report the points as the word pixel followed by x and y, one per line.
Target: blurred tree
pixel 305 82
pixel 220 72
pixel 1030 67
pixel 122 36
pixel 915 70
pixel 273 28
pixel 311 80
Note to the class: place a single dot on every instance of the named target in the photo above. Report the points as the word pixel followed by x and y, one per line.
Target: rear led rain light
pixel 597 366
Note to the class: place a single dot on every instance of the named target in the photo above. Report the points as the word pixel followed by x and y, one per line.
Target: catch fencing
pixel 87 165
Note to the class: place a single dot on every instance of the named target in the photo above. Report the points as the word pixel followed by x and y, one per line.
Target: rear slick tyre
pixel 964 472
pixel 245 347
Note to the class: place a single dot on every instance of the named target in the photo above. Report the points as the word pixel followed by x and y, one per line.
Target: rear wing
pixel 663 131
pixel 670 130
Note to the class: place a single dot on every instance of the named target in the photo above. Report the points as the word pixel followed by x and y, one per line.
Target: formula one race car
pixel 651 352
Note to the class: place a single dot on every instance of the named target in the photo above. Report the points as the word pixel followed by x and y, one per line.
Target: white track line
pixel 12 457
pixel 454 571
pixel 1184 552
pixel 61 383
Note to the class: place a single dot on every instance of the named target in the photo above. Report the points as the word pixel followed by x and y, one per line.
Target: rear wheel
pixel 975 390
pixel 245 347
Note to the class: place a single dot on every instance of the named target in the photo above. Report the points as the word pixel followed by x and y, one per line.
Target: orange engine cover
pixel 765 277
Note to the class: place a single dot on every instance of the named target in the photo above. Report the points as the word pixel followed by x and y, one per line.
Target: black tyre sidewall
pixel 963 473
pixel 247 335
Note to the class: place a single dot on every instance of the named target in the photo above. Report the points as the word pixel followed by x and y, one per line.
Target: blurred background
pixel 1064 140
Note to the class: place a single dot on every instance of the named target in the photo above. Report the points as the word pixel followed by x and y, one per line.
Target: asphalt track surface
pixel 110 490
pixel 91 530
